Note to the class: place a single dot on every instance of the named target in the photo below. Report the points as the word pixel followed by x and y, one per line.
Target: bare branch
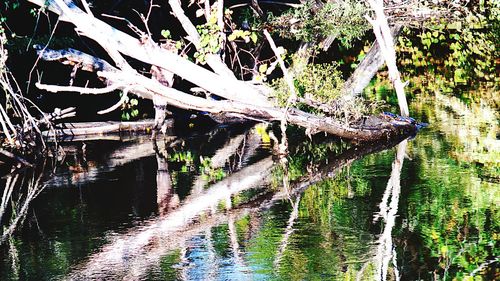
pixel 118 104
pixel 288 78
pixel 87 7
pixel 153 54
pixel 213 60
pixel 82 90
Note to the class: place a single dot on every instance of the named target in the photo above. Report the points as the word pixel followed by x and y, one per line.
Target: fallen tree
pixel 239 98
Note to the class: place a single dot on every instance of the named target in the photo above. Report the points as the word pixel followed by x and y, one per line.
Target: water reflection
pixel 219 206
pixel 386 252
pixel 21 188
pixel 166 198
pixel 130 255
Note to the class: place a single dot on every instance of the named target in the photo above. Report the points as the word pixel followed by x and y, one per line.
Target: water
pixel 212 206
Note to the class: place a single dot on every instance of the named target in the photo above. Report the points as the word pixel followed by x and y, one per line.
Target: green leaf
pixel 254 37
pixel 263 68
pixel 165 33
pixel 231 37
pixel 125 116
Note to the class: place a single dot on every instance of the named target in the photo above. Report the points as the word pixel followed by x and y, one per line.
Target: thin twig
pixel 86 6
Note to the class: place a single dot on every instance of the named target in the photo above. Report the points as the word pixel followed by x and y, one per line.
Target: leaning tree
pixel 208 56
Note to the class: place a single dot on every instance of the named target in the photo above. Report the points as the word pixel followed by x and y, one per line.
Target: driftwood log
pixel 240 98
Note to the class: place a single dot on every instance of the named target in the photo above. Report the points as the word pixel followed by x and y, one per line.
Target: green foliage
pixel 341 20
pixel 457 53
pixel 211 40
pixel 9 5
pixel 129 108
pixel 246 35
pixel 322 84
pixel 209 173
pixel 166 34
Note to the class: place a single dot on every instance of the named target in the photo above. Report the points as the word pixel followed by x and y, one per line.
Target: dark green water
pixel 212 207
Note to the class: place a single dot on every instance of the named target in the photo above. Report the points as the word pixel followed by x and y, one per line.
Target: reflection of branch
pixel 130 250
pixel 19 207
pixel 223 154
pixel 131 254
pixel 218 160
pixel 233 236
pixel 166 198
pixel 337 162
pixel 385 251
pixel 288 231
pixel 128 152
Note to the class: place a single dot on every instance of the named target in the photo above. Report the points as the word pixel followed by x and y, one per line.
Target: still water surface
pixel 220 206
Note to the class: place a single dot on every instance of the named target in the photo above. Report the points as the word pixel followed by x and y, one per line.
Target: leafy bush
pixel 339 19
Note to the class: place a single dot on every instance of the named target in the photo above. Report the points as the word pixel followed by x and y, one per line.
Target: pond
pixel 219 205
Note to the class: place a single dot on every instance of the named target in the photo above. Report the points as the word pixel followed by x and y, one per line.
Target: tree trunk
pixel 368 67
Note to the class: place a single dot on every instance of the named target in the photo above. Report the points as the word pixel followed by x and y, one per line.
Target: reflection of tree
pixel 288 231
pixel 452 210
pixel 165 195
pixel 388 210
pixel 21 188
pixel 141 246
pixel 127 152
pixel 471 129
pixel 342 236
pixel 132 253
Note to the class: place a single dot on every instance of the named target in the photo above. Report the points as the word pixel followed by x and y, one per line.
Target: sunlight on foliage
pixel 315 20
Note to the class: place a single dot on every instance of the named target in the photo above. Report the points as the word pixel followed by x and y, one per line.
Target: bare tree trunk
pixel 368 67
pixel 386 43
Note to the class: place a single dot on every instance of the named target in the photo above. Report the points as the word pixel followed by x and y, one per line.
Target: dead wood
pixel 147 88
pixel 367 68
pixel 66 130
pixel 241 99
pixel 386 44
pixel 145 50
